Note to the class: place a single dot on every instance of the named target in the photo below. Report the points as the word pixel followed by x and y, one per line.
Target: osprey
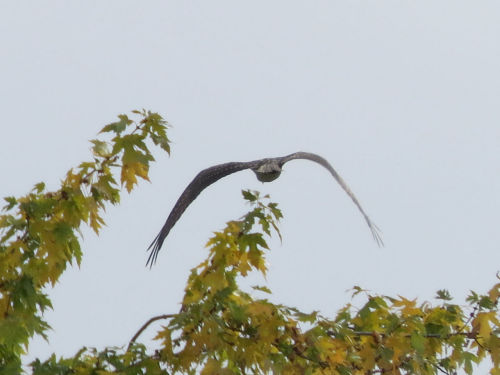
pixel 266 170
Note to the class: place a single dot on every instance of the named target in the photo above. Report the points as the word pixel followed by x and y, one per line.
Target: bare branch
pixel 145 325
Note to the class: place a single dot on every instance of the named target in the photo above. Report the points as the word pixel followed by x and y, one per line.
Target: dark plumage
pixel 266 170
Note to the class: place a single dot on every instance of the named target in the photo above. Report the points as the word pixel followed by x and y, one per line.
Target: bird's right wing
pixel 318 159
pixel 202 180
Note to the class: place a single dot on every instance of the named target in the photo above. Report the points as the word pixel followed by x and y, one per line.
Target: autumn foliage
pixel 220 328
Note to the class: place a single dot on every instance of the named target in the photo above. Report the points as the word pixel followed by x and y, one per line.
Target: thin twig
pixel 145 325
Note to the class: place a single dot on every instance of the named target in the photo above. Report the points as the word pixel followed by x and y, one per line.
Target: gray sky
pixel 401 97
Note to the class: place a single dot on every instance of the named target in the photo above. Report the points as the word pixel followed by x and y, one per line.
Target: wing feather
pixel 202 180
pixel 318 159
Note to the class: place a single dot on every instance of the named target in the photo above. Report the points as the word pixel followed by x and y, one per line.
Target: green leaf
pixel 469 359
pixel 308 318
pixel 443 294
pixel 163 142
pixel 486 303
pixel 262 289
pixel 275 210
pixel 62 232
pixel 117 127
pixel 12 201
pixel 385 353
pixel 357 290
pixel 238 313
pixel 39 187
pixel 417 342
pixel 250 196
pixel 473 297
pixel 10 364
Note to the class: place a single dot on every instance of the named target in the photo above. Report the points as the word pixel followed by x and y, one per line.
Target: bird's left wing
pixel 318 159
pixel 202 180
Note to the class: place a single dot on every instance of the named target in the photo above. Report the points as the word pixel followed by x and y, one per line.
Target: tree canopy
pixel 220 328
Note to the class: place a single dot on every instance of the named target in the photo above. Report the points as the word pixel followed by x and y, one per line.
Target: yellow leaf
pixel 259 308
pixel 243 266
pixel 481 325
pixel 368 355
pixel 130 171
pixel 211 367
pixel 216 280
pixel 128 177
pixel 494 293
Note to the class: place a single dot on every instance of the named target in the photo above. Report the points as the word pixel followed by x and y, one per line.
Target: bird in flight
pixel 266 170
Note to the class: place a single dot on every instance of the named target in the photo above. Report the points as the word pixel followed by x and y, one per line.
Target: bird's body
pixel 266 170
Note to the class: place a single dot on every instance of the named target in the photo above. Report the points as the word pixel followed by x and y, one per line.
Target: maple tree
pixel 220 328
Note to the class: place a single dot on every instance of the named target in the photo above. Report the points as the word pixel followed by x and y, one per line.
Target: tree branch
pixel 145 325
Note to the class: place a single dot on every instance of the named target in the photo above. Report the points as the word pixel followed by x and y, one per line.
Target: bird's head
pixel 267 171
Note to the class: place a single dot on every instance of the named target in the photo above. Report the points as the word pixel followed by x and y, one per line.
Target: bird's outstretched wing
pixel 202 180
pixel 318 159
pixel 271 168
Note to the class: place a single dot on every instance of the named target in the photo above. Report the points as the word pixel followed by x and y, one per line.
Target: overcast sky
pixel 401 97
